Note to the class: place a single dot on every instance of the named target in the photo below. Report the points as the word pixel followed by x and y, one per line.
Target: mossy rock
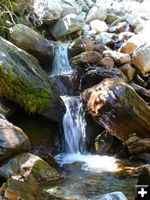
pixel 30 168
pixel 23 81
pixel 14 189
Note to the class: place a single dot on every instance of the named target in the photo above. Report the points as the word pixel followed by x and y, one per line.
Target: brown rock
pixel 88 57
pixel 128 71
pixel 80 45
pixel 115 105
pixel 107 61
pixel 141 59
pixel 119 58
pixel 95 75
pixel 131 44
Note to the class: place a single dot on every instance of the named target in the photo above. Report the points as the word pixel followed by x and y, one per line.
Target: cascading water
pixel 61 65
pixel 74 124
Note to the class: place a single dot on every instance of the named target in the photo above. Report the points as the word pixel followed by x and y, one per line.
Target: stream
pixel 86 176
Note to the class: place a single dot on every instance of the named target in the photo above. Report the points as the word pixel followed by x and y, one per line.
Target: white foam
pixel 92 163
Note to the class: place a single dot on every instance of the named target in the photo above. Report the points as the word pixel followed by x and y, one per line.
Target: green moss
pixel 24 90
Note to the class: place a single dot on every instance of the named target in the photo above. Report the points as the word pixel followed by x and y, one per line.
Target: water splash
pixel 89 162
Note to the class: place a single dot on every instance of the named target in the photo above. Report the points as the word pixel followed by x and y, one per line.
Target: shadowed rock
pixel 12 140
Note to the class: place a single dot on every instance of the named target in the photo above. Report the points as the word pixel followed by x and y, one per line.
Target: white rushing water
pixel 74 123
pixel 74 126
pixel 61 65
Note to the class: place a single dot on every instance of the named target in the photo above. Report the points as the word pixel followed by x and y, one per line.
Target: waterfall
pixel 73 121
pixel 61 65
pixel 74 125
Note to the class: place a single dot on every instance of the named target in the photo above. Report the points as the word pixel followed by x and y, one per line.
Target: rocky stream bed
pixel 74 99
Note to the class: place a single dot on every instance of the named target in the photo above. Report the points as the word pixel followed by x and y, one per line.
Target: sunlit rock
pixel 107 61
pixel 128 70
pixel 96 12
pixel 119 58
pixel 117 106
pixel 33 43
pixel 141 58
pixel 30 168
pixel 106 38
pixel 50 11
pixel 119 27
pixel 13 140
pixel 98 26
pixel 131 44
pixel 111 18
pixel 87 57
pixel 67 25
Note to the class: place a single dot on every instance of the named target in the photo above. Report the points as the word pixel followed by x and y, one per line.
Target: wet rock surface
pixel 104 103
pixel 30 168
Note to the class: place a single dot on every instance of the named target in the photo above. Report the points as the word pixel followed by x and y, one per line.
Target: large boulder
pixel 115 105
pixel 23 81
pixel 141 59
pixel 12 140
pixel 33 43
pixel 30 168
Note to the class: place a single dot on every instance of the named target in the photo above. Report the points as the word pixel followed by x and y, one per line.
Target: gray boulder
pixel 33 43
pixel 23 81
pixel 66 25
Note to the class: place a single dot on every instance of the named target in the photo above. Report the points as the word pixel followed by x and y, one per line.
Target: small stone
pixel 88 57
pixel 98 26
pixel 107 61
pixel 80 45
pixel 131 44
pixel 96 12
pixel 119 58
pixel 128 70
